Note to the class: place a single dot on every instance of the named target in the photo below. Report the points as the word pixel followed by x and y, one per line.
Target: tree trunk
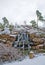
pixel 37 22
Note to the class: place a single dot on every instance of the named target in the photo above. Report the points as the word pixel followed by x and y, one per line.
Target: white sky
pixel 20 10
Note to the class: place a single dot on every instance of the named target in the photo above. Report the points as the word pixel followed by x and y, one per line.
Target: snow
pixel 31 52
pixel 6 31
pixel 13 35
pixel 39 60
pixel 33 30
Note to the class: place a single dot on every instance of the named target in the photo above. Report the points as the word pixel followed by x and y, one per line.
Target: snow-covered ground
pixel 39 60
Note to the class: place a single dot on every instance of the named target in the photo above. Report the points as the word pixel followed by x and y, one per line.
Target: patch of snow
pixel 31 52
pixel 33 30
pixel 6 31
pixel 40 60
pixel 13 35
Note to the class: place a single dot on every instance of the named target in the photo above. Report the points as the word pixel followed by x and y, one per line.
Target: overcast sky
pixel 20 10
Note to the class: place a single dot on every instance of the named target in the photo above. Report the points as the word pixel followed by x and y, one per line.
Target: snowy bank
pixel 40 60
